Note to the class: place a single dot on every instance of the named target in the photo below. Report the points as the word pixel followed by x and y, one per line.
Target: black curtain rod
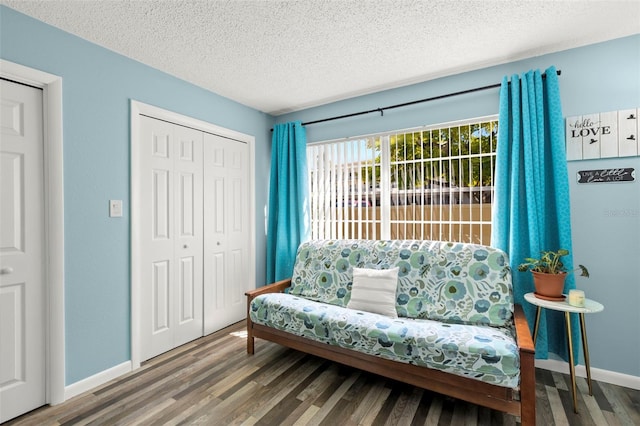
pixel 419 101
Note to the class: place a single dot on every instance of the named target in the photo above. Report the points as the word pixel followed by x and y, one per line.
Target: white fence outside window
pixel 431 183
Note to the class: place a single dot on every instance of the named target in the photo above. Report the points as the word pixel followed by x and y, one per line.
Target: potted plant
pixel 549 273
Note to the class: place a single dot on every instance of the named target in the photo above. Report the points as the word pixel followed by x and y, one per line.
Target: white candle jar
pixel 576 298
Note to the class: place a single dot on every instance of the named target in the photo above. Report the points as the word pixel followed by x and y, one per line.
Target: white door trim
pixel 137 109
pixel 51 86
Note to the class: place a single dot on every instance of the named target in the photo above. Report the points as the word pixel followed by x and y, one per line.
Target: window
pixel 432 183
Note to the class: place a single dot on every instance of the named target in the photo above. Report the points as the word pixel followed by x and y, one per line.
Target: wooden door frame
pixel 137 109
pixel 51 86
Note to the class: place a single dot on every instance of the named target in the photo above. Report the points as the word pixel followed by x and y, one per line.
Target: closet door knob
pixel 6 271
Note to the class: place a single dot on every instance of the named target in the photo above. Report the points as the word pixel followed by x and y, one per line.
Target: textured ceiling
pixel 281 56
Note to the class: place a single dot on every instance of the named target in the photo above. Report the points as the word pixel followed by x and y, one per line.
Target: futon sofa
pixel 437 315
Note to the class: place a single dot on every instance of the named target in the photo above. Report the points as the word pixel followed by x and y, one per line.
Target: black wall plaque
pixel 606 175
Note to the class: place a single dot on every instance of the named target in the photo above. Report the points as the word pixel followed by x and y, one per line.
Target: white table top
pixel 590 306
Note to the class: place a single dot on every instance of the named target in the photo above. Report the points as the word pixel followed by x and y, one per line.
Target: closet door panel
pixel 171 235
pixel 156 164
pixel 188 242
pixel 226 231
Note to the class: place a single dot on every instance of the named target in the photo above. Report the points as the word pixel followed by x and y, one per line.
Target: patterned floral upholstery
pixel 452 282
pixel 454 302
pixel 484 353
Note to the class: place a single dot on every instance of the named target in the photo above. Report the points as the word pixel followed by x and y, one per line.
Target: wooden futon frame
pixel 519 402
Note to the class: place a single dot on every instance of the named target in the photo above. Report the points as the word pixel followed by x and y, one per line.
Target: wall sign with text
pixel 606 175
pixel 603 135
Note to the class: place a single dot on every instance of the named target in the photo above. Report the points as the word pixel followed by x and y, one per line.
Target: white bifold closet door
pixel 194 234
pixel 226 247
pixel 172 235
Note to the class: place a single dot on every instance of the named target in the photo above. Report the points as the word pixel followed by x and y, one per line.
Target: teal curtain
pixel 288 211
pixel 531 209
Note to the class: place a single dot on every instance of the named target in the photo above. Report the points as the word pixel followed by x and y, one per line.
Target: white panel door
pixel 188 241
pixel 171 236
pixel 226 231
pixel 22 287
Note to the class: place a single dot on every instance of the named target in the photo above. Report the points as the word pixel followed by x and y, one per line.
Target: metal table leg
pixel 536 324
pixel 585 348
pixel 572 368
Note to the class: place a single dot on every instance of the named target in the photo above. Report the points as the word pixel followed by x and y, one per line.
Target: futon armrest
pixel 277 287
pixel 523 333
pixel 527 367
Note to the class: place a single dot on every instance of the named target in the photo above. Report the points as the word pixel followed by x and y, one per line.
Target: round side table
pixel 590 307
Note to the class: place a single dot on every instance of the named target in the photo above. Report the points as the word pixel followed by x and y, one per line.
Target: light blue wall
pixel 97 87
pixel 605 217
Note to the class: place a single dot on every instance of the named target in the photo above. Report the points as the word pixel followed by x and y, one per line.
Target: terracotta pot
pixel 549 285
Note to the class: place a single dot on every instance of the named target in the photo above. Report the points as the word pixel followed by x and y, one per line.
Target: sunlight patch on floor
pixel 242 334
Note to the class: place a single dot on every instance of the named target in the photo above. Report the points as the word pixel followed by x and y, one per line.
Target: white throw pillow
pixel 374 290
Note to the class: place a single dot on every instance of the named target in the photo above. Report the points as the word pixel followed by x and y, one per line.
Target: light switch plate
pixel 115 208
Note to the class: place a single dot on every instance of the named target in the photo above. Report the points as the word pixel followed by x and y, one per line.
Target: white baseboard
pixel 96 380
pixel 606 376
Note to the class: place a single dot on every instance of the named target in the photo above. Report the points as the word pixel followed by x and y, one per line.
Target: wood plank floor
pixel 212 381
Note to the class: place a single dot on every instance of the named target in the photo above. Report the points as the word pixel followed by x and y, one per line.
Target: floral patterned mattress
pixel 486 353
pixel 443 281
